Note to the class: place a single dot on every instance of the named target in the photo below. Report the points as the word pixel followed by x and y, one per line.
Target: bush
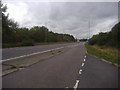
pixel 27 43
pixel 9 45
pixel 109 39
pixel 93 40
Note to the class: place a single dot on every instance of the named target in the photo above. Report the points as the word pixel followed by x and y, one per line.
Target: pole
pixel 118 11
pixel 89 28
pixel 46 33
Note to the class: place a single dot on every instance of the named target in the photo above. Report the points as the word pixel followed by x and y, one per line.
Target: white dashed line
pixel 80 69
pixel 84 60
pixel 80 72
pixel 76 85
pixel 83 64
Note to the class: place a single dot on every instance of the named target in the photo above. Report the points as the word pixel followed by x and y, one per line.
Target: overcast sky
pixel 65 17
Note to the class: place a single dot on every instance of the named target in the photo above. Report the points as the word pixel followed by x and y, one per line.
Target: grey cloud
pixel 96 12
pixel 72 17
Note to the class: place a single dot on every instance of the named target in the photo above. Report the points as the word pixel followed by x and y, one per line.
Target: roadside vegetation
pixel 14 36
pixel 107 53
pixel 106 45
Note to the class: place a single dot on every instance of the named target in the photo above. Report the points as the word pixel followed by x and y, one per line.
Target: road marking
pixel 30 54
pixel 83 64
pixel 35 53
pixel 76 85
pixel 80 72
pixel 84 60
pixel 80 69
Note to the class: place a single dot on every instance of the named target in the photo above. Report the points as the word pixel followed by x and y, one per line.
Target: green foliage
pixel 93 40
pixel 110 39
pixel 38 34
pixel 8 26
pixel 27 43
pixel 14 36
pixel 107 53
pixel 83 40
pixel 21 34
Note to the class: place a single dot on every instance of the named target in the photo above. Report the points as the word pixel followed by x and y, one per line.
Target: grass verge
pixel 107 53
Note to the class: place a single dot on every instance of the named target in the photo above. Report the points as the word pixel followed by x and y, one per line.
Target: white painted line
pixel 80 72
pixel 84 60
pixel 85 56
pixel 76 85
pixel 29 54
pixel 80 69
pixel 83 64
pixel 35 53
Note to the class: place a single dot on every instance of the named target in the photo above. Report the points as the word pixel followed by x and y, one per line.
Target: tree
pixel 111 38
pixel 8 26
pixel 12 34
pixel 115 36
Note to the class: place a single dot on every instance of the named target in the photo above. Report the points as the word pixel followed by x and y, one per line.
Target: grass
pixel 23 44
pixel 107 53
pixel 13 67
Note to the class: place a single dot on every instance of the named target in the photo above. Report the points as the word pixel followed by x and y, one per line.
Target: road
pixel 16 52
pixel 64 71
pixel 98 74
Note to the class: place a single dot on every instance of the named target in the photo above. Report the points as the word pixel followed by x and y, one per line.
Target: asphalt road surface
pixel 16 52
pixel 64 71
pixel 98 74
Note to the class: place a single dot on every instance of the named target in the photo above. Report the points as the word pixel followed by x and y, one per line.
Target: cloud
pixel 66 17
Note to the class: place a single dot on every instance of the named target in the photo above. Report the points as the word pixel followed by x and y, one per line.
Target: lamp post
pixel 119 11
pixel 45 33
pixel 46 24
pixel 89 28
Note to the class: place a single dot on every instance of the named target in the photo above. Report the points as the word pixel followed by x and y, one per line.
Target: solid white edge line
pixel 30 54
pixel 76 85
pixel 34 53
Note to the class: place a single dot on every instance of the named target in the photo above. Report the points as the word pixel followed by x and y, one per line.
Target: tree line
pixel 13 35
pixel 109 39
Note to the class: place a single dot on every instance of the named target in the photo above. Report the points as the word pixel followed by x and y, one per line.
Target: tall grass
pixel 107 53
